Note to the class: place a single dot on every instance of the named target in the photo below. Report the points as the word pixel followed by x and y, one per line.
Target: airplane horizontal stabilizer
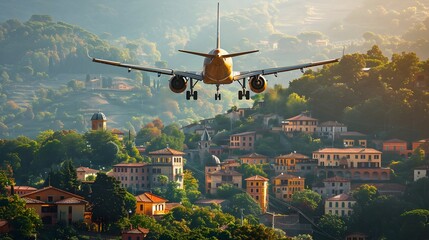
pixel 198 53
pixel 239 54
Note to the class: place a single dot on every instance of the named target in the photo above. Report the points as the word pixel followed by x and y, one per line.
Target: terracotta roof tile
pixel 294 155
pixel 348 150
pixel 72 200
pixel 257 178
pixel 32 201
pixel 286 176
pixel 254 155
pixel 341 197
pixel 167 151
pixel 150 198
pixel 301 117
pixel 226 172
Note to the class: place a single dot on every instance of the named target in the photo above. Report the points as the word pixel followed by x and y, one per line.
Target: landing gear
pixel 243 93
pixel 217 94
pixel 192 93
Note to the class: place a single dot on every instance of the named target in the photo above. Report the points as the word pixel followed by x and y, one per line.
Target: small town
pixel 285 192
pixel 231 120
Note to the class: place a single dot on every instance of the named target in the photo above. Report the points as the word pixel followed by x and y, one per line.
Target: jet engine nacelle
pixel 257 84
pixel 178 84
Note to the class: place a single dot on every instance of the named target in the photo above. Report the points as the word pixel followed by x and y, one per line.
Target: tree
pixel 415 224
pixel 190 184
pixel 68 177
pixel 227 191
pixel 417 194
pixel 107 194
pixel 333 225
pixel 245 202
pixel 104 147
pixel 24 221
pixel 306 200
pixel 365 194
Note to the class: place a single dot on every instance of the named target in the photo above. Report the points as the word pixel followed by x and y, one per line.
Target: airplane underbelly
pixel 217 74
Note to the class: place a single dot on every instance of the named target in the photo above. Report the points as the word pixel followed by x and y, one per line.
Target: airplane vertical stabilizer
pixel 218 28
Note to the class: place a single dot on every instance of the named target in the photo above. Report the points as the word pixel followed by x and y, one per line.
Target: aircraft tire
pixel 247 95
pixel 240 95
pixel 195 95
pixel 188 95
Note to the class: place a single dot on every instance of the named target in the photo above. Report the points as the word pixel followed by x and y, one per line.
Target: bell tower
pixel 99 121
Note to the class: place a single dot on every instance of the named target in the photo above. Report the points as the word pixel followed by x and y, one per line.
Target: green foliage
pixel 415 223
pixel 107 194
pixel 306 200
pixel 227 190
pixel 24 221
pixel 417 194
pixel 333 225
pixel 65 178
pixel 365 194
pixel 190 184
pixel 243 201
pixel 104 147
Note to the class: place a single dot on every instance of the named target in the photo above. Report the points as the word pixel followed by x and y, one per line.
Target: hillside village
pixel 336 171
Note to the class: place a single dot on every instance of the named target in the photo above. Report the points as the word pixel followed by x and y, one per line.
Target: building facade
pixel 351 163
pixel 396 146
pixel 285 185
pixel 150 204
pixel 287 163
pixel 219 177
pixel 98 121
pixel 243 141
pixel 257 188
pixel 84 172
pixel 330 129
pixel 300 123
pixel 254 158
pixel 141 177
pixel 421 172
pixel 340 205
pixel 333 186
pixel 54 205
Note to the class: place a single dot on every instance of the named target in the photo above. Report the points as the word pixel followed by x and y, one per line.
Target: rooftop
pixel 336 179
pixel 150 198
pixel 286 176
pixel 257 178
pixel 167 151
pixel 98 116
pixel 348 150
pixel 341 197
pixel 294 156
pixel 301 117
pixel 254 155
pixel 244 133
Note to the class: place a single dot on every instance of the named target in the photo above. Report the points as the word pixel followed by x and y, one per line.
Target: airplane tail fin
pixel 218 28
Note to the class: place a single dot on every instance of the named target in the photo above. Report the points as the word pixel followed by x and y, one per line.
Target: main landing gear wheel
pixel 243 93
pixel 217 96
pixel 193 94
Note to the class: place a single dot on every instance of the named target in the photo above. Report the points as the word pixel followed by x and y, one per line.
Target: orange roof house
pixel 150 204
pixel 84 172
pixel 300 123
pixel 396 145
pixel 20 190
pixel 254 158
pixel 138 233
pixel 257 188
pixel 54 205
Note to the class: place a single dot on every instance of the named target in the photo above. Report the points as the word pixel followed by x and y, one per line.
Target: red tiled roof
pixel 254 155
pixel 256 178
pixel 71 201
pixel 117 131
pixel 138 230
pixel 336 179
pixel 169 206
pixel 341 197
pixel 301 117
pixel 331 124
pixel 86 170
pixel 395 140
pixel 167 151
pixel 150 198
pixel 32 201
pixel 22 188
pixel 286 176
pixel 244 133
pixel 130 165
pixel 294 156
pixel 50 187
pixel 348 150
pixel 226 172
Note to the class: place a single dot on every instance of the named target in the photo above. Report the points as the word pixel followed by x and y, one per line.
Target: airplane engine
pixel 257 84
pixel 178 84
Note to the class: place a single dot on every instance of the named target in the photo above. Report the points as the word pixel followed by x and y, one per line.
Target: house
pixel 54 205
pixel 20 190
pixel 135 234
pixel 300 123
pixel 287 163
pixel 118 133
pixel 340 205
pixel 84 172
pixel 254 158
pixel 356 236
pixel 150 204
pixel 421 172
pixel 285 185
pixel 351 163
pixel 333 186
pixel 257 188
pixel 141 177
pixel 330 129
pixel 134 176
pixel 217 178
pixel 423 144
pixel 353 139
pixel 396 146
pixel 243 141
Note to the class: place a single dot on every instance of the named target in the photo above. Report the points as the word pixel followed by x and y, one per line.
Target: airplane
pixel 217 70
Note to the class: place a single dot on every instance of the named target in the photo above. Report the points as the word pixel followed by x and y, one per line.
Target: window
pixel 70 210
pixel 50 199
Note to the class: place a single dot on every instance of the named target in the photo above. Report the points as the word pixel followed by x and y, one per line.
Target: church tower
pixel 204 144
pixel 99 121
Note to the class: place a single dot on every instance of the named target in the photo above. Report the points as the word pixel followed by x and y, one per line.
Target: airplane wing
pixel 269 71
pixel 159 71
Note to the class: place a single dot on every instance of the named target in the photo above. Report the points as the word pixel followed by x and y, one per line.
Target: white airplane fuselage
pixel 217 69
